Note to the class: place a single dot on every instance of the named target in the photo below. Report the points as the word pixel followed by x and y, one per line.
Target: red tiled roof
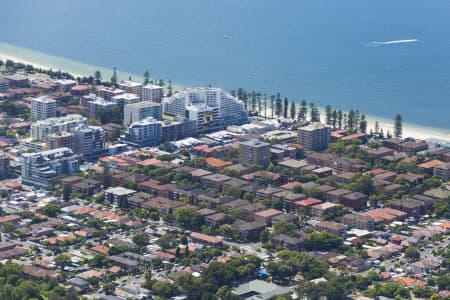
pixel 430 164
pixel 217 163
pixel 308 202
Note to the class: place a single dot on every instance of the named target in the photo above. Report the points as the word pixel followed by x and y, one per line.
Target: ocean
pixel 380 57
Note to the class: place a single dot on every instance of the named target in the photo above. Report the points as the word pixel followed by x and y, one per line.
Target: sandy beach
pixel 409 130
pixel 5 57
pixel 45 61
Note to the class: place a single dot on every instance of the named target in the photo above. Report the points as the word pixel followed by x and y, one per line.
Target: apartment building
pixel 141 110
pixel 42 108
pixel 131 87
pixel 254 152
pixel 89 141
pixel 314 137
pixel 41 169
pixel 153 93
pixel 210 108
pixel 40 130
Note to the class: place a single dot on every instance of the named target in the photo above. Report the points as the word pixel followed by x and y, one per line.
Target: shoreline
pixel 78 69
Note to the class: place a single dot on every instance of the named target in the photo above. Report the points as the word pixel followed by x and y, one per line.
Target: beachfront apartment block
pixel 150 131
pixel 40 130
pixel 131 87
pixel 211 108
pixel 138 111
pixel 42 108
pixel 152 92
pixel 254 152
pixel 314 137
pixel 41 169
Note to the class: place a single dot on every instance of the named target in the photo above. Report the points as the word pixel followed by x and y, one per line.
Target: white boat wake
pixel 394 42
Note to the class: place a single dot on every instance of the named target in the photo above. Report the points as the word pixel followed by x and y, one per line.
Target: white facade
pixel 211 108
pixel 141 110
pixel 42 108
pixel 145 132
pixel 41 169
pixel 40 130
pixel 151 92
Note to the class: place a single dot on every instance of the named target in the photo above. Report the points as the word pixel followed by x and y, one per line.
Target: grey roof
pixel 78 282
pixel 260 289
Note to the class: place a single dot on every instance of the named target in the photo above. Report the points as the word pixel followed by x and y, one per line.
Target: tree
pixel 412 253
pixel 109 288
pixel 389 289
pixel 322 241
pixel 278 106
pixel 167 241
pixel 106 177
pixel 63 260
pixel 169 89
pixel 303 111
pixel 66 193
pixel 363 124
pixel 7 227
pixel 398 126
pixel 146 77
pixel 225 293
pixel 51 210
pixel 163 289
pixel 339 119
pixel 114 77
pixel 323 290
pixel 377 127
pixel 285 108
pixel 283 227
pixel 292 110
pixel 362 184
pixel 99 261
pixel 292 262
pixel 141 239
pixel 188 218
pixel 351 120
pixel 334 119
pixel 98 77
pixel 329 115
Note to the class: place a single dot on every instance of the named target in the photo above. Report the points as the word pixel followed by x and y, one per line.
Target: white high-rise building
pixel 41 169
pixel 141 110
pixel 40 130
pixel 211 108
pixel 151 92
pixel 42 108
pixel 145 132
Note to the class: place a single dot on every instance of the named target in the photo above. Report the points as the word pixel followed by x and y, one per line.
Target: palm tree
pixel 98 77
pixel 146 77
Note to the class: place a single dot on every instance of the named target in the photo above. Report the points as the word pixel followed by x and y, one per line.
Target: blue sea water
pixel 318 50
